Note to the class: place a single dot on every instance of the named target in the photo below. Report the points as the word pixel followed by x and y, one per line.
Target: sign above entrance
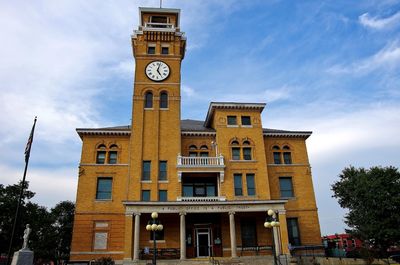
pixel 253 206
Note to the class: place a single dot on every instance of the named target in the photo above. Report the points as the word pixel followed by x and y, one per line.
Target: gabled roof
pixel 230 105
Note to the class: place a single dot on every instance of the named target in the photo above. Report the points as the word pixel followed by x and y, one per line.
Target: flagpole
pixel 27 154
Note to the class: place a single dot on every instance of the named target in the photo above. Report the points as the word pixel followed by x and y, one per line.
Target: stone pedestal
pixel 22 257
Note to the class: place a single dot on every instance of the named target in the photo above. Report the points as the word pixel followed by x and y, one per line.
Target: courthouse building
pixel 211 181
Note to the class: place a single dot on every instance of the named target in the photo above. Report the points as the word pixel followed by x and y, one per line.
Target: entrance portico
pixel 204 229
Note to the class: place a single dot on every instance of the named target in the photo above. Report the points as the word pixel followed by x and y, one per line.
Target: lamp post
pixel 154 225
pixel 271 221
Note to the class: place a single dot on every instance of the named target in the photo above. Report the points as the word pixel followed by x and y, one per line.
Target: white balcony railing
pixel 159 25
pixel 202 199
pixel 188 161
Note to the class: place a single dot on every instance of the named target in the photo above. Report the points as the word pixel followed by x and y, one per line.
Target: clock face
pixel 157 71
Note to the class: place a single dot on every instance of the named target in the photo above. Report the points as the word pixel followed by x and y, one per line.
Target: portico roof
pixel 203 207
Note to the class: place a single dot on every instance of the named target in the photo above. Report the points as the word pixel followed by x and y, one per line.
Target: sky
pixel 332 67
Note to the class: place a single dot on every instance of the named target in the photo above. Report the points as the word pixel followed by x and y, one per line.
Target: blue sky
pixel 332 67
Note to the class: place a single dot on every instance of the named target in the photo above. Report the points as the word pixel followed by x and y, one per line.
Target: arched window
pixel 282 156
pixel 204 151
pixel 235 143
pixel 192 150
pixel 113 154
pixel 101 154
pixel 287 155
pixel 148 100
pixel 109 154
pixel 163 100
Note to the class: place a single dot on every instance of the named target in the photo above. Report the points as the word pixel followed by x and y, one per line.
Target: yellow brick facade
pixel 111 208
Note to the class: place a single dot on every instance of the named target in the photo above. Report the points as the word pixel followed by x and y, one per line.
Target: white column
pixel 232 233
pixel 183 235
pixel 136 237
pixel 276 240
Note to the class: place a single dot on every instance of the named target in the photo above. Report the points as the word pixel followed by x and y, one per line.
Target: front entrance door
pixel 203 242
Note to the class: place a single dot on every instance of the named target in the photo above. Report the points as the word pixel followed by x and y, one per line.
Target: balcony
pixel 202 162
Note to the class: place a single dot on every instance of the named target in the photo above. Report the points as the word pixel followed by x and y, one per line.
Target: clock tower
pixel 158 48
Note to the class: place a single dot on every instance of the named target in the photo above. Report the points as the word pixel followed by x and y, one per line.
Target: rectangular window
pixel 101 157
pixel 162 174
pixel 287 157
pixel 277 158
pixel 293 231
pixel 151 50
pixel 146 170
pixel 247 153
pixel 100 240
pixel 246 120
pixel 235 153
pixel 232 120
pixel 204 154
pixel 112 157
pixel 249 233
pixel 104 189
pixel 238 184
pixel 164 50
pixel 145 195
pixel 286 187
pixel 188 190
pixel 192 154
pixel 251 187
pixel 162 195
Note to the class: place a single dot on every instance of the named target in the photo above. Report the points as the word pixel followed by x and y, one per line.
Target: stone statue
pixel 27 231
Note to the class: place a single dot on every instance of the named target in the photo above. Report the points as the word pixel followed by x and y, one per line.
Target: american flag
pixel 29 143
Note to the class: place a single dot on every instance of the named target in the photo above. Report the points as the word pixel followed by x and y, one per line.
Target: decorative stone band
pixel 132 207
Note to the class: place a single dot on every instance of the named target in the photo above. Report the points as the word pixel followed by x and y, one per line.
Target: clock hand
pixel 158 68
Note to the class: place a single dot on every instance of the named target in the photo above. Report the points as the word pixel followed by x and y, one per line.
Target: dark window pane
pixel 210 190
pixel 200 190
pixel 145 195
pixel 112 157
pixel 238 184
pixel 287 157
pixel 251 188
pixel 162 175
pixel 159 19
pixel 275 147
pixel 192 147
pixel 151 50
pixel 104 188
pixel 286 187
pixel 293 231
pixel 164 50
pixel 249 233
pixel 146 170
pixel 277 158
pixel 246 120
pixel 204 154
pixel 162 195
pixel 235 153
pixel 148 100
pixel 232 120
pixel 192 154
pixel 187 191
pixel 163 100
pixel 247 153
pixel 101 157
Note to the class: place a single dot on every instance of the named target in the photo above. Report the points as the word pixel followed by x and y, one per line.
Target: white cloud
pixel 379 23
pixel 188 91
pixel 388 57
pixel 268 95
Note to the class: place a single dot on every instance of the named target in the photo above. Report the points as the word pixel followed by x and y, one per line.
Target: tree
pixel 8 202
pixel 51 234
pixel 372 197
pixel 63 220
